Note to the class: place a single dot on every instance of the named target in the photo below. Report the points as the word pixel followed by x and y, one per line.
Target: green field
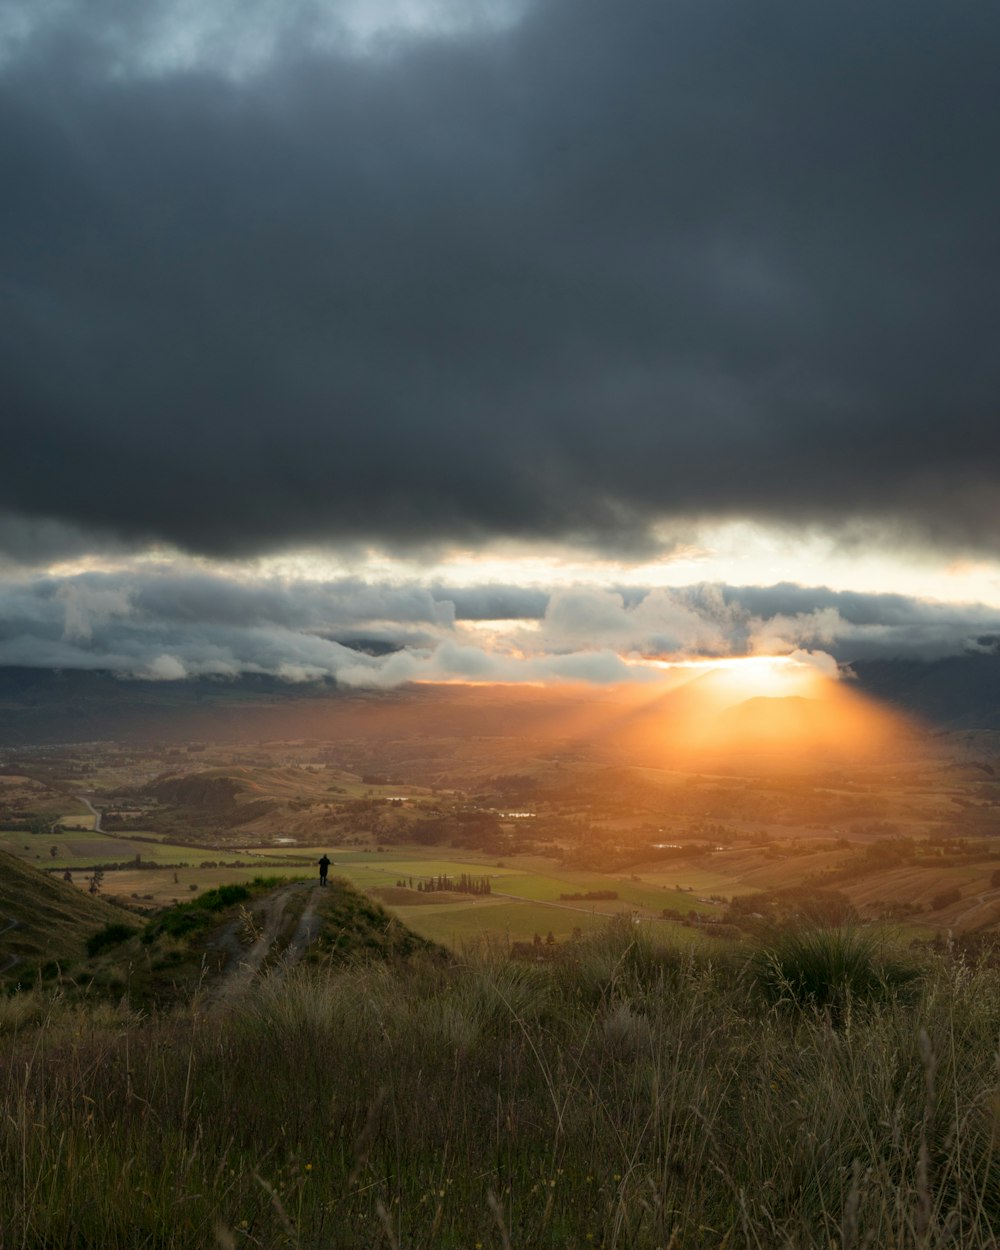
pixel 632 894
pixel 701 880
pixel 83 819
pixel 81 848
pixel 456 924
pixel 526 891
pixel 495 920
pixel 159 888
pixel 525 898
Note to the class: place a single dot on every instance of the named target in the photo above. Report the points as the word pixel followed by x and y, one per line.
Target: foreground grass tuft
pixel 830 968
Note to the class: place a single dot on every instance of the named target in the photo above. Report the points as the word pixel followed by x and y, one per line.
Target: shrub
pixel 179 921
pixel 223 896
pixel 794 905
pixel 620 959
pixel 829 968
pixel 111 935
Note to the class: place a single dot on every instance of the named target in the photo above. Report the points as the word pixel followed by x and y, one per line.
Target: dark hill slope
pixel 44 920
pixel 214 947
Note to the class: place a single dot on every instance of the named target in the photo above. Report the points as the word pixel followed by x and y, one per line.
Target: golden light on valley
pixel 745 708
pixel 707 715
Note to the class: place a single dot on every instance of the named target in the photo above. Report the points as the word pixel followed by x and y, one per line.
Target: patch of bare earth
pixel 258 941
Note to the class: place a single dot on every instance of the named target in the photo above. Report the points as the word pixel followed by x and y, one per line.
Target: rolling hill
pixel 44 920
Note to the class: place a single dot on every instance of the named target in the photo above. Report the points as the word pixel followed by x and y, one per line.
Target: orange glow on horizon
pixel 778 706
pixel 725 711
pixel 744 676
pixel 771 676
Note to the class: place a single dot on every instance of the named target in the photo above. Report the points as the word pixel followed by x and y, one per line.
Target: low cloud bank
pixel 171 624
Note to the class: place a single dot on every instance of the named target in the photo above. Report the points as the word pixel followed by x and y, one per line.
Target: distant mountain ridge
pixel 957 692
pixel 72 705
pixel 47 706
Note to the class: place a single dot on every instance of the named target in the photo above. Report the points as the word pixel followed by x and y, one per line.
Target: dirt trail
pixel 266 918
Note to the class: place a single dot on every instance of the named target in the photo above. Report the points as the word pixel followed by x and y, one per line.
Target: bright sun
pixel 758 676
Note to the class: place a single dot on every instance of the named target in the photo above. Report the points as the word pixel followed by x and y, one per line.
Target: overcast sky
pixel 517 338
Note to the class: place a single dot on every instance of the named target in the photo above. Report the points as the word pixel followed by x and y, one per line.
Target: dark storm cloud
pixel 30 541
pixel 612 264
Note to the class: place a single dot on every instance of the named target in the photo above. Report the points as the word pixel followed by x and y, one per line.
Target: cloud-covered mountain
pixel 167 623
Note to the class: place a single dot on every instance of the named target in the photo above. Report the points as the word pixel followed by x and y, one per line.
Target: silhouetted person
pixel 324 868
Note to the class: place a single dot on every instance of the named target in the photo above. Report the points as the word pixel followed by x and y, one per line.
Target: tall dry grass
pixel 628 1097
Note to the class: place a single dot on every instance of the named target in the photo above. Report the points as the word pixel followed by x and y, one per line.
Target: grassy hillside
pixel 629 1097
pixel 43 920
pixel 83 946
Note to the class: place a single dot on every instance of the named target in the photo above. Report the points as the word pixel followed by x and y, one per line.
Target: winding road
pixel 93 810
